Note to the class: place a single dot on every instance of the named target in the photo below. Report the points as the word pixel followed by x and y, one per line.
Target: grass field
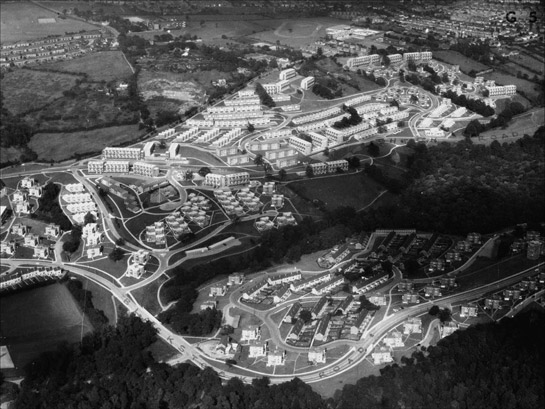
pixel 455 58
pixel 28 90
pixel 355 190
pixel 37 320
pixel 101 66
pixel 60 146
pixel 19 22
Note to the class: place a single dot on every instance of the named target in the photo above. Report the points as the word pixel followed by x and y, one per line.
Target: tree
pixel 89 218
pixel 120 241
pixel 309 171
pixel 273 63
pixel 326 151
pixel 258 160
pixel 189 175
pixel 445 315
pixel 373 150
pixel 306 316
pixel 434 310
pixel 414 98
pixel 116 254
pixel 319 51
pixel 251 127
pixel 204 171
pixel 282 174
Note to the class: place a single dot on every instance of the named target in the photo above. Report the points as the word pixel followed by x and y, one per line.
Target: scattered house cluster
pixel 195 210
pixel 20 202
pixel 136 268
pixel 237 204
pixel 156 233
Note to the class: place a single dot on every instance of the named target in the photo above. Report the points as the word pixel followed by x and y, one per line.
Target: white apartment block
pixel 31 240
pixel 502 90
pixel 412 326
pixel 282 133
pixel 318 168
pixel 423 56
pixel 307 82
pixel 233 179
pixel 381 355
pixel 135 271
pixel 248 93
pixel 7 248
pixel 233 116
pixel 395 58
pixel 290 108
pixel 459 112
pixel 394 340
pixel 166 133
pixel 35 191
pixel 277 87
pixel 238 160
pixel 303 146
pixel 311 282
pixel 89 228
pixel 145 169
pixel 265 146
pixel 333 165
pixel 148 149
pixel 257 350
pixel 277 201
pixel 19 196
pixel 173 150
pixel 122 153
pixel 276 357
pixel 79 218
pixel 399 115
pixel 83 208
pixel 365 60
pixel 228 151
pixel 95 166
pixel 286 162
pixel 357 100
pixel 240 123
pixel 116 166
pixel 234 108
pixel 94 252
pixel 437 112
pixel 19 229
pixel 280 97
pixel 52 230
pixel 280 153
pixel 209 135
pixel 313 126
pixel 388 110
pixel 94 239
pixel 245 101
pixel 22 207
pixel 317 115
pixel 319 142
pixel 375 107
pixel 28 182
pixel 287 74
pixel 434 133
pixel 187 135
pixel 251 333
pixel 228 137
pixel 77 197
pixel 74 187
pixel 268 188
pixel 324 288
pixel 200 123
pixel 317 356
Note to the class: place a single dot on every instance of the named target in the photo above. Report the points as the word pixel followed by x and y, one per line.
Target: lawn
pixel 481 272
pixel 206 157
pixel 102 299
pixel 100 66
pixel 63 145
pixel 37 320
pixel 28 90
pixel 526 124
pixel 355 190
pixel 455 58
pixel 20 22
pixel 147 296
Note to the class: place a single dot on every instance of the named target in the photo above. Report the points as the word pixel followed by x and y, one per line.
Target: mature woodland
pixel 486 366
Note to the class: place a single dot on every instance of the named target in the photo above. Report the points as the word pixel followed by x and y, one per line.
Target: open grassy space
pixel 355 190
pixel 162 351
pixel 147 296
pixel 19 22
pixel 63 145
pixel 102 299
pixel 101 66
pixel 481 272
pixel 28 90
pixel 455 58
pixel 37 320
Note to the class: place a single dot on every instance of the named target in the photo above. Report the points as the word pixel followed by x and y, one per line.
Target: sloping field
pixel 455 58
pixel 101 66
pixel 63 145
pixel 21 21
pixel 26 90
pixel 37 320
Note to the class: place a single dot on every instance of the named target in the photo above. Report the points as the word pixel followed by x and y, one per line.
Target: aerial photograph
pixel 272 204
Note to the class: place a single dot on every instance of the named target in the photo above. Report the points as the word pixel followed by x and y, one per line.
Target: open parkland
pixel 198 191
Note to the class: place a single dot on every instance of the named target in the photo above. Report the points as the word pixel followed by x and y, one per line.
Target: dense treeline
pixel 474 128
pixel 112 369
pixel 49 209
pixel 84 298
pixel 264 96
pixel 486 366
pixel 14 131
pixel 348 121
pixel 497 365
